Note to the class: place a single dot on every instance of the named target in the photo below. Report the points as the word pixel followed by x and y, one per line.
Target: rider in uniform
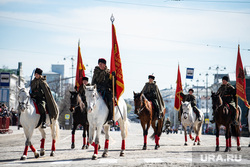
pixel 41 94
pixel 82 90
pixel 190 98
pixel 228 94
pixel 152 93
pixel 103 82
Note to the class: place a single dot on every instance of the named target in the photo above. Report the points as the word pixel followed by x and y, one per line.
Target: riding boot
pixel 180 113
pixel 197 113
pixel 234 121
pixel 110 115
pixel 43 120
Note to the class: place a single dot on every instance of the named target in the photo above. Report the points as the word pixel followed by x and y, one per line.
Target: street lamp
pixel 217 68
pixel 72 60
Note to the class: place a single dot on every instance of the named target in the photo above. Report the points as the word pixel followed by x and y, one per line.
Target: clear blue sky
pixel 153 36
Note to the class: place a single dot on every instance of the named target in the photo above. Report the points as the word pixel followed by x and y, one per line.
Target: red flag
pixel 79 68
pixel 240 80
pixel 116 65
pixel 178 98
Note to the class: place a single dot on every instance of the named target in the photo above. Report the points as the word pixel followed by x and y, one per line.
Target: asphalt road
pixel 171 153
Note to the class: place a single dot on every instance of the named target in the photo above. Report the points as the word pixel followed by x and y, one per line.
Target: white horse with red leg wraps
pixel 97 116
pixel 29 120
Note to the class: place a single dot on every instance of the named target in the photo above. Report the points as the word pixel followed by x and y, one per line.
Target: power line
pixel 171 7
pixel 209 1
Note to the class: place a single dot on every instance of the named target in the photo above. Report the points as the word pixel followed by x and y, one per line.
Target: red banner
pixel 240 80
pixel 116 65
pixel 178 98
pixel 79 68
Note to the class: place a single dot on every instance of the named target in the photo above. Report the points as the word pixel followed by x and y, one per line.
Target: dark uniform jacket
pixel 102 79
pixel 151 91
pixel 189 98
pixel 228 94
pixel 82 92
pixel 41 92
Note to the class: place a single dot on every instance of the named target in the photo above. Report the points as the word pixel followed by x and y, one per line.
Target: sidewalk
pixel 12 131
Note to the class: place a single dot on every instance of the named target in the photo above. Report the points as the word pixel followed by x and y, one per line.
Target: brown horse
pixel 144 109
pixel 223 116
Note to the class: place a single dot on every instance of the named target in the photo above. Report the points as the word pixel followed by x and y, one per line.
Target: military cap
pixel 39 71
pixel 102 60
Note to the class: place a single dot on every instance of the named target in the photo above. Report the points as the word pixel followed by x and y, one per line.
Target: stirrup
pixel 110 122
pixel 43 125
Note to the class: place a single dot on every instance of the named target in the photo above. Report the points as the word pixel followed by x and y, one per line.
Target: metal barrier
pixel 4 124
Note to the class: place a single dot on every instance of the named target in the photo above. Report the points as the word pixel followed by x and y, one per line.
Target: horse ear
pixel 181 102
pixel 94 86
pixel 70 92
pixel 134 93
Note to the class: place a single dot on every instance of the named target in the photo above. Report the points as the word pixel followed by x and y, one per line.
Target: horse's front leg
pixel 73 136
pixel 217 137
pixel 85 130
pixel 106 145
pixel 97 141
pixel 227 139
pixel 124 131
pixel 190 133
pixel 185 135
pixel 145 134
pixel 42 150
pixel 28 134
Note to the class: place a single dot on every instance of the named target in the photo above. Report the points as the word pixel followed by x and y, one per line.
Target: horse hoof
pixel 185 144
pixel 198 143
pixel 144 148
pixel 104 155
pixel 42 152
pixel 24 157
pixel 239 148
pixel 52 154
pixel 122 154
pixel 94 157
pixel 192 139
pixel 194 144
pixel 83 147
pixel 36 155
pixel 227 149
pixel 217 148
pixel 72 145
pixel 157 146
pixel 99 147
pixel 87 146
pixel 249 145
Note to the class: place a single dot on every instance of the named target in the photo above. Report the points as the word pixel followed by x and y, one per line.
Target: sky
pixel 154 36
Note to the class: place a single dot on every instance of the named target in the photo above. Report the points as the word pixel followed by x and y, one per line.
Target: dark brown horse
pixel 144 109
pixel 223 116
pixel 79 110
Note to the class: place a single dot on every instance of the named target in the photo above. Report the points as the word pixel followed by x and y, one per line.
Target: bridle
pixel 23 104
pixel 142 104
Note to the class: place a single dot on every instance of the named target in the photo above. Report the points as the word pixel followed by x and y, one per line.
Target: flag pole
pixel 112 19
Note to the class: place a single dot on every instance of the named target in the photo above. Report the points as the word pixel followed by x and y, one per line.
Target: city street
pixel 171 153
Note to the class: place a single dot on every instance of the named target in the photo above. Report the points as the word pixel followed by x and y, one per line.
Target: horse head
pixel 186 106
pixel 216 101
pixel 91 97
pixel 138 102
pixel 23 99
pixel 73 100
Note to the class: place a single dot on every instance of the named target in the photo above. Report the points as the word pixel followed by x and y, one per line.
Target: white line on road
pixel 153 160
pixel 61 162
pixel 108 161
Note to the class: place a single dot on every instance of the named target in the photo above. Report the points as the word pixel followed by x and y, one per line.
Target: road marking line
pixel 61 162
pixel 66 138
pixel 153 160
pixel 108 161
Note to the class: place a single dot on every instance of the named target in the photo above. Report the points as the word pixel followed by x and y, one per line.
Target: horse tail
pixel 235 129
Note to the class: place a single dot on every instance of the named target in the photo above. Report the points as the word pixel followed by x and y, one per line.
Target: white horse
pixel 29 120
pixel 97 116
pixel 188 118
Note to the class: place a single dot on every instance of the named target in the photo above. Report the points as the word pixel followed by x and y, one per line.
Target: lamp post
pixel 72 67
pixel 217 68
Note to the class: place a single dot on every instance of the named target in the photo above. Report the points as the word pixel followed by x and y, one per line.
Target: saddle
pixel 37 112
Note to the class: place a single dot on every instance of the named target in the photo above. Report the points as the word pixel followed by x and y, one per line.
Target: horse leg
pixel 87 129
pixel 190 134
pixel 145 133
pixel 84 136
pixel 98 132
pixel 106 145
pixel 54 133
pixel 217 137
pixel 158 132
pixel 42 150
pixel 185 134
pixel 123 127
pixel 73 136
pixel 227 139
